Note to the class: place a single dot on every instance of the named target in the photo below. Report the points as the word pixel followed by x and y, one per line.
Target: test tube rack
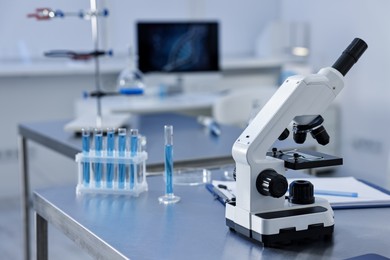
pixel 114 185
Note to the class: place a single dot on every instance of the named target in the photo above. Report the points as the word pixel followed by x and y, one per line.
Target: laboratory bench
pixel 122 227
pixel 194 146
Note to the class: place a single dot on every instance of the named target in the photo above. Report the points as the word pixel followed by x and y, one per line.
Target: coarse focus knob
pixel 301 192
pixel 270 183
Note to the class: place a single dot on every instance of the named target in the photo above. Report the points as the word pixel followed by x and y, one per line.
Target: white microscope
pixel 261 210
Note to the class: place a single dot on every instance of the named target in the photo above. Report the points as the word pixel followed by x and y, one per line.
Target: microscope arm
pixel 305 97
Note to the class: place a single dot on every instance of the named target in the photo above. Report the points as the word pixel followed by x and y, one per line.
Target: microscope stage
pixel 305 159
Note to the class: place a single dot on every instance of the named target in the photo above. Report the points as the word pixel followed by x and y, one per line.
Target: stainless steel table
pixel 120 227
pixel 193 146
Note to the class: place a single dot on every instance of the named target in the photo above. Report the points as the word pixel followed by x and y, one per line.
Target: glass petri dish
pixel 191 176
pixel 227 171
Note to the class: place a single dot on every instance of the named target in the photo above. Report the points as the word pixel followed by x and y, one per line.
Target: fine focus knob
pixel 301 192
pixel 270 183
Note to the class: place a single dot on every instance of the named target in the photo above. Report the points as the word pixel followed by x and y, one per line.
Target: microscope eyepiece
pixel 350 56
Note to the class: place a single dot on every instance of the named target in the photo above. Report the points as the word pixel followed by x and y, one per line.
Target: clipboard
pixel 369 194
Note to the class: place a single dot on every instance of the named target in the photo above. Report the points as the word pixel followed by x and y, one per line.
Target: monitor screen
pixel 177 46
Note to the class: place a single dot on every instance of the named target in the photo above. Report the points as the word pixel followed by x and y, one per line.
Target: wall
pixel 44 96
pixel 26 39
pixel 241 22
pixel 364 100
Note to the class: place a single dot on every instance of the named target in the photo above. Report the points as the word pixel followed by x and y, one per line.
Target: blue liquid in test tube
pixel 85 138
pixel 169 169
pixel 121 153
pixel 98 152
pixel 110 153
pixel 169 197
pixel 133 152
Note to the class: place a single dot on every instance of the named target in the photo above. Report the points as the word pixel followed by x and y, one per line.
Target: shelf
pixel 110 65
pixel 243 63
pixel 59 67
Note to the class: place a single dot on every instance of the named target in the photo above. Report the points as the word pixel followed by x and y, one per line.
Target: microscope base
pixel 284 226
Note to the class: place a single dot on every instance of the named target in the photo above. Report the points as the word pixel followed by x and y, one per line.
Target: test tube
pixel 98 152
pixel 141 174
pixel 86 134
pixel 121 153
pixel 169 196
pixel 133 152
pixel 110 153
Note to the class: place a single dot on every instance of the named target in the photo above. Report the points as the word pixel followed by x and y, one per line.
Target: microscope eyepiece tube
pixel 350 56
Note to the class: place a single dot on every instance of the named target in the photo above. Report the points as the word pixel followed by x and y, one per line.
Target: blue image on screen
pixel 178 47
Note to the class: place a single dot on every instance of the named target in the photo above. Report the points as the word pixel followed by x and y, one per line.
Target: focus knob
pixel 301 192
pixel 270 183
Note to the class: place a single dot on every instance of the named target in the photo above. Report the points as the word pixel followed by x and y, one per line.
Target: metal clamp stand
pixel 95 38
pixel 47 14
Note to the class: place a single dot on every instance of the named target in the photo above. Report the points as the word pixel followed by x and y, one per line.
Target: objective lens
pixel 299 137
pixel 320 135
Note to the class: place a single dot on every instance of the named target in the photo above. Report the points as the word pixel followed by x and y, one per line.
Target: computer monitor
pixel 178 47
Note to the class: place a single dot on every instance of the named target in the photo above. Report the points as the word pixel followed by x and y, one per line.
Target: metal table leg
pixel 41 235
pixel 23 161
